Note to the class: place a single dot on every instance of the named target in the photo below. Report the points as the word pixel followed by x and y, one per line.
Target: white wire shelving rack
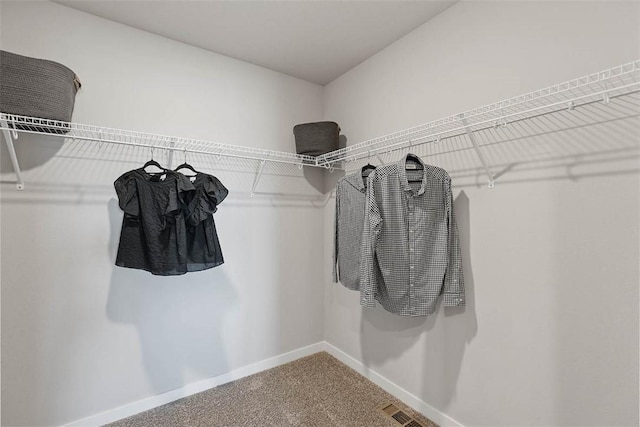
pixel 603 86
pixel 597 87
pixel 12 125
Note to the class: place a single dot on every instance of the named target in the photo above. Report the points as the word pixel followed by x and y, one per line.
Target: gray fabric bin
pixel 37 88
pixel 314 139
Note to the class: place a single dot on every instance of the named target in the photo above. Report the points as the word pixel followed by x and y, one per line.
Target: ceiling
pixel 313 40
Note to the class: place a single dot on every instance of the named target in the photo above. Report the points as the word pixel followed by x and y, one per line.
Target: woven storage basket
pixel 37 88
pixel 314 139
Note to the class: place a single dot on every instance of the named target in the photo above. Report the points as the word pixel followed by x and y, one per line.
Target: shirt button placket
pixel 412 236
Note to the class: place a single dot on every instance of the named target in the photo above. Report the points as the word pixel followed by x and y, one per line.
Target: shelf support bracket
pixel 9 139
pixel 257 178
pixel 485 165
pixel 172 146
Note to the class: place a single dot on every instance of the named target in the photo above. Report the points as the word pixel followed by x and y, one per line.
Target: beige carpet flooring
pixel 315 391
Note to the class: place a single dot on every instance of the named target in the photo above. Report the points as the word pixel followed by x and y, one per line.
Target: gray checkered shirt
pixel 410 247
pixel 348 225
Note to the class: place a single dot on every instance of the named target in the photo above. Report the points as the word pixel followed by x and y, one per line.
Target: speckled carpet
pixel 315 391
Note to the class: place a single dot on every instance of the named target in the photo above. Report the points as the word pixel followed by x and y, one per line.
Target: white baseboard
pixel 197 387
pixel 193 388
pixel 414 402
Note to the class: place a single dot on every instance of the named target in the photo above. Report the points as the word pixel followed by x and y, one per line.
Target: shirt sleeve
pixel 207 200
pixel 371 231
pixel 453 279
pixel 127 192
pixel 180 195
pixel 216 192
pixel 336 231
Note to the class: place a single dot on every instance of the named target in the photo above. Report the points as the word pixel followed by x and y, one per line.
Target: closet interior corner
pixel 319 213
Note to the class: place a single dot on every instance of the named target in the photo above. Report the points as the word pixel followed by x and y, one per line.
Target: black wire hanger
pixel 366 169
pixel 186 165
pixel 153 163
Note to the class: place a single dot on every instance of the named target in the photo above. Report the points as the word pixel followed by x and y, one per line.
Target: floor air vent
pixel 399 416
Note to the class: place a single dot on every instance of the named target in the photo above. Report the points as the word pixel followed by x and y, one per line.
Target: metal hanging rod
pixel 602 86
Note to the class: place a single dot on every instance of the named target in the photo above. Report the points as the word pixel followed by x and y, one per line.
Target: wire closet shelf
pixel 603 86
pixel 11 125
pixel 597 87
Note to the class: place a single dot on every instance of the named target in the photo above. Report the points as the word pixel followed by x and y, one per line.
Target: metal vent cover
pixel 399 416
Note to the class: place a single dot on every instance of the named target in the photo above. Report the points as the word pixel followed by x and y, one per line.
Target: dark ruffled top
pixel 168 227
pixel 203 246
pixel 153 233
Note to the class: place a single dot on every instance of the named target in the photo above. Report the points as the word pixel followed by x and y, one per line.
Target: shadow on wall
pixel 591 141
pixel 179 319
pixel 32 151
pixel 444 351
pixel 446 333
pixel 85 170
pixel 331 179
pixel 322 179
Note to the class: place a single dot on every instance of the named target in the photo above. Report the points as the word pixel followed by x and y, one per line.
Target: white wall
pixel 81 336
pixel 550 333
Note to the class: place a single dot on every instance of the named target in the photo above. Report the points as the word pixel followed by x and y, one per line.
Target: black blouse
pixel 153 235
pixel 203 246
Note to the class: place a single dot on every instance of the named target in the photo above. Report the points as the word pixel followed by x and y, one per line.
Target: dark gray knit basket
pixel 314 139
pixel 37 88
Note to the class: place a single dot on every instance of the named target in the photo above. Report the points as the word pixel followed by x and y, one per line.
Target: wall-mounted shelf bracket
pixel 9 138
pixel 172 145
pixel 257 178
pixel 476 147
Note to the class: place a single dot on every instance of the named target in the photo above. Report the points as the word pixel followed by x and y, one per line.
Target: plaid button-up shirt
pixel 410 247
pixel 348 225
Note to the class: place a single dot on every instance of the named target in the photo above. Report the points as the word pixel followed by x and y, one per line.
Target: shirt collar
pixel 402 172
pixel 356 180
